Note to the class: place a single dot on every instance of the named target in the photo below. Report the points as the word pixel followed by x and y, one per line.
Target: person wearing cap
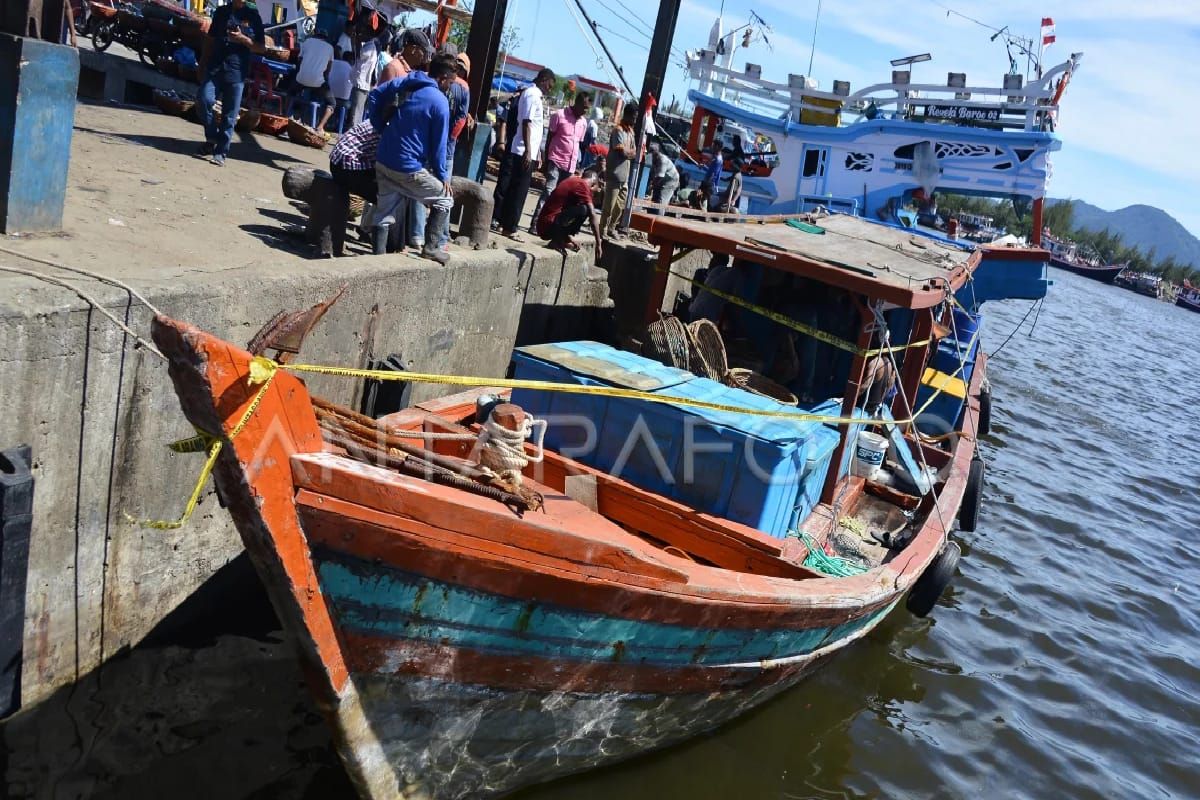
pixel 412 116
pixel 460 103
pixel 460 118
pixel 567 126
pixel 411 50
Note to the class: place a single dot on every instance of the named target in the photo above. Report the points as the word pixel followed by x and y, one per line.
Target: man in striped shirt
pixel 352 164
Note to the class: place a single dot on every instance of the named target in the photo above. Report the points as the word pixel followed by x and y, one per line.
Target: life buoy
pixel 968 512
pixel 934 580
pixel 984 427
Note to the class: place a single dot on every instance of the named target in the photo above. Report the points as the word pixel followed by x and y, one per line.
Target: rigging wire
pixel 644 29
pixel 601 63
pixel 91 301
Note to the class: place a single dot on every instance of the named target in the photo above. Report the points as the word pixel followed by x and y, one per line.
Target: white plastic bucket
pixel 869 450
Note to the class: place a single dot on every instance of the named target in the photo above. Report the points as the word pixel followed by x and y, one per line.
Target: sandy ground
pixel 141 205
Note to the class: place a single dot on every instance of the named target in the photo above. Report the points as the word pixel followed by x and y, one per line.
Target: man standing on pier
pixel 621 150
pixel 567 126
pixel 513 186
pixel 236 32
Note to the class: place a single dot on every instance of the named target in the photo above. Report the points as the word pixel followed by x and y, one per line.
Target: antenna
pixel 813 52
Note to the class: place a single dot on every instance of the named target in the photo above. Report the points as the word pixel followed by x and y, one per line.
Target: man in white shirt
pixel 341 80
pixel 512 188
pixel 364 79
pixel 316 54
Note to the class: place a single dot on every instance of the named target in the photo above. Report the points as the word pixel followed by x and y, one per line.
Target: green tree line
pixel 1105 246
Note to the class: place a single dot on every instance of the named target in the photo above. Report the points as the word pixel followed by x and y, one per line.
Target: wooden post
pixel 914 363
pixel 658 282
pixel 693 142
pixel 1035 236
pixel 710 133
pixel 849 401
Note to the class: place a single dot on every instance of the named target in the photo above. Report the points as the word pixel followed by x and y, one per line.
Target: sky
pixel 1127 120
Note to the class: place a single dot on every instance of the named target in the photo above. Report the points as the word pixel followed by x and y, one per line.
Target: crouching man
pixel 565 211
pixel 411 161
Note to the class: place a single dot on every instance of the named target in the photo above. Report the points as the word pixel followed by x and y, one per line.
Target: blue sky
pixel 1129 117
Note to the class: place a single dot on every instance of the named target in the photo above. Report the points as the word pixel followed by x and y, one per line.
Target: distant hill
pixel 1143 227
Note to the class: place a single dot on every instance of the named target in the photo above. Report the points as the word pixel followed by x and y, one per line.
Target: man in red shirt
pixel 565 211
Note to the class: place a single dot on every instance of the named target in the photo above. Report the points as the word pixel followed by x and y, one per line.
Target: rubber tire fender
pixel 972 499
pixel 984 425
pixel 102 37
pixel 934 580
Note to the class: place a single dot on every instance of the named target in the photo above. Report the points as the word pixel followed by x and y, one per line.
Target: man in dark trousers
pixel 236 32
pixel 621 151
pixel 565 211
pixel 411 161
pixel 512 189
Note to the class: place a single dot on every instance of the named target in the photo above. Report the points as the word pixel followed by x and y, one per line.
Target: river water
pixel 1063 662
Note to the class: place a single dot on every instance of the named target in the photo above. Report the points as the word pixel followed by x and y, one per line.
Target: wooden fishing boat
pixel 1105 273
pixel 1188 298
pixel 469 633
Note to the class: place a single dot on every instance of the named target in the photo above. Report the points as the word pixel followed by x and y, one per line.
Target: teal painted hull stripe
pixel 390 603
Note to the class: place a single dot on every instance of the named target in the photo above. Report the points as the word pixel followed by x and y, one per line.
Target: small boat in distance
pixel 1189 298
pixel 1064 254
pixel 476 612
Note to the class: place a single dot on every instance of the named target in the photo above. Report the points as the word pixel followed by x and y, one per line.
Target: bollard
pixel 16 522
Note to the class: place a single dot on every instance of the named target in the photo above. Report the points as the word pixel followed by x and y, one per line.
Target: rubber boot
pixel 379 241
pixel 433 231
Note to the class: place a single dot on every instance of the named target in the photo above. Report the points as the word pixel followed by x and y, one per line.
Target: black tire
pixel 984 425
pixel 102 37
pixel 934 580
pixel 968 512
pixel 148 52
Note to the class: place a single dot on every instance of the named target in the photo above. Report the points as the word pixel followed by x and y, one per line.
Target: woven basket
pixel 248 120
pixel 666 341
pixel 758 384
pixel 357 206
pixel 707 356
pixel 272 124
pixel 302 134
pixel 173 104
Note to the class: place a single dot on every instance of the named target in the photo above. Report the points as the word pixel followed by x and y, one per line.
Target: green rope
pixel 834 566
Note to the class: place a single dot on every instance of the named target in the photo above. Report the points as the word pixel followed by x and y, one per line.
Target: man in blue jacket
pixel 411 160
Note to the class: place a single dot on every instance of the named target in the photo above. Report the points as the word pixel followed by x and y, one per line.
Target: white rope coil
pixel 503 451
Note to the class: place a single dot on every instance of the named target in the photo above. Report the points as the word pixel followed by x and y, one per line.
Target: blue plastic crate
pixel 765 472
pixel 577 421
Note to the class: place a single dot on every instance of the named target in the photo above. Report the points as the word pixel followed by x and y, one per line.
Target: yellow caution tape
pixel 549 386
pixel 262 371
pixel 799 327
pixel 214 445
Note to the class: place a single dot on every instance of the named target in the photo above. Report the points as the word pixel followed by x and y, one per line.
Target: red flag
pixel 1047 31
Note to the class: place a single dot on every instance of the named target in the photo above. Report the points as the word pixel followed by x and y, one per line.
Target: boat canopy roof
pixel 880 261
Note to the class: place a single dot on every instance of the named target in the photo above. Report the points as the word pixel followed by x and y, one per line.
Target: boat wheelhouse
pixel 870 152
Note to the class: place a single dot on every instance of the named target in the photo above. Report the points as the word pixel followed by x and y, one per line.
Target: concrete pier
pixel 211 246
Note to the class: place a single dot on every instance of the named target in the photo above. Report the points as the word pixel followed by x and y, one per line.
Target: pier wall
pixel 98 414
